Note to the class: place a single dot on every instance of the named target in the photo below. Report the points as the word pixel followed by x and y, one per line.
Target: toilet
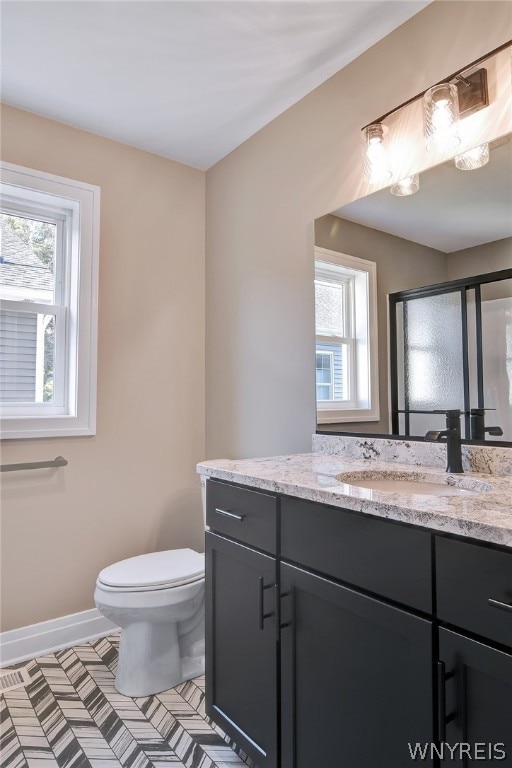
pixel 158 601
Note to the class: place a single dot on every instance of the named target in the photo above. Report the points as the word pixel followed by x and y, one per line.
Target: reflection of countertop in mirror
pixel 484 516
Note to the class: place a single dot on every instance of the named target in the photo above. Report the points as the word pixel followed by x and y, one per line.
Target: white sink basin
pixel 426 484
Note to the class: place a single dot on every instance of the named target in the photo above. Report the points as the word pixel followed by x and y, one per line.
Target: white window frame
pixel 75 207
pixel 361 324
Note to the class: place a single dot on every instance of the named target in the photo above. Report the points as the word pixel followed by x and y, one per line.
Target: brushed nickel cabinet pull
pixel 498 604
pixel 227 513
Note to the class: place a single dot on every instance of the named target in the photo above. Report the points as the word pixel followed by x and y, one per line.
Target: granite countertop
pixel 485 515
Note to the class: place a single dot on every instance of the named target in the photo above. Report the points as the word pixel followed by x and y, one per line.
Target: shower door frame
pixel 462 286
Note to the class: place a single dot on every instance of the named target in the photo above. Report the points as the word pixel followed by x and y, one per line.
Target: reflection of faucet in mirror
pixel 478 428
pixel 453 440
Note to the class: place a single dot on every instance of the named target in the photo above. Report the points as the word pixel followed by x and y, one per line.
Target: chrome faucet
pixel 453 440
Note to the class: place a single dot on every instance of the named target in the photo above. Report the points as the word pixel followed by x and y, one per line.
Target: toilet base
pixel 192 666
pixel 150 662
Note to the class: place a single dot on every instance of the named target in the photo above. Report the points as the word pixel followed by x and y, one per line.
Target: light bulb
pixel 441 112
pixel 407 186
pixel 375 156
pixel 473 158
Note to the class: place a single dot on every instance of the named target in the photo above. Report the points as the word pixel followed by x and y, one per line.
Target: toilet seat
pixel 153 571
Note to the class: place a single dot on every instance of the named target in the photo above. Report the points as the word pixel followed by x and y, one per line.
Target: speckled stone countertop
pixel 484 514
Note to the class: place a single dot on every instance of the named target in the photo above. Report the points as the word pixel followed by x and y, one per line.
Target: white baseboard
pixel 48 636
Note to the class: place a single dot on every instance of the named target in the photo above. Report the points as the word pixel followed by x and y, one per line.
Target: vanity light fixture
pixel 407 186
pixel 375 156
pixel 473 158
pixel 444 105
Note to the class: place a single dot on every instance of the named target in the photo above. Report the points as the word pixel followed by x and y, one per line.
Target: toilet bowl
pixel 158 601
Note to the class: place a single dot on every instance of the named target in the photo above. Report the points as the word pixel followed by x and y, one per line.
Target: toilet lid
pixel 155 570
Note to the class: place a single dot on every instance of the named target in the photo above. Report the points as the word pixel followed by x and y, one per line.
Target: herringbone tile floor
pixel 71 716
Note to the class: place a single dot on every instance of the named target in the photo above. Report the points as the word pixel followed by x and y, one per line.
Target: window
pixel 346 338
pixel 49 230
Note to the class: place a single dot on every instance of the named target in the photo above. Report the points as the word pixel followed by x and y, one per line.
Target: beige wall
pixel 131 488
pixel 261 203
pixel 401 264
pixel 490 257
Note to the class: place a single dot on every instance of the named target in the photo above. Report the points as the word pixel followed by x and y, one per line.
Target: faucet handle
pixel 449 411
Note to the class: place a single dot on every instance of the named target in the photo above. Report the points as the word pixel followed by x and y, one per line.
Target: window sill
pixel 340 417
pixel 37 427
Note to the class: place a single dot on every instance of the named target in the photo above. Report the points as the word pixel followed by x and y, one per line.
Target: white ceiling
pixel 186 79
pixel 451 211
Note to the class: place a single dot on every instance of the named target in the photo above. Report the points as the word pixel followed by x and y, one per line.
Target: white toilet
pixel 158 601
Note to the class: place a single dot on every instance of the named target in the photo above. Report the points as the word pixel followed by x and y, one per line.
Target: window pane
pixel 332 371
pixel 27 357
pixel 324 375
pixel 49 358
pixel 27 262
pixel 329 308
pixel 323 392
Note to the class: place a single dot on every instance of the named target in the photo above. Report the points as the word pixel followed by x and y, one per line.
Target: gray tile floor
pixel 71 716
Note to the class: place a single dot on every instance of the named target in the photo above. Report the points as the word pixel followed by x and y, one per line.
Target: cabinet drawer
pixel 388 559
pixel 248 516
pixel 468 577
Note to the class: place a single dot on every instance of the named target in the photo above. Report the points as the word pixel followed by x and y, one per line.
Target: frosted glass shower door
pixel 451 349
pixel 430 358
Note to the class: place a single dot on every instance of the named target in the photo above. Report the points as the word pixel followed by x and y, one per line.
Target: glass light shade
pixel 375 155
pixel 441 113
pixel 473 158
pixel 407 186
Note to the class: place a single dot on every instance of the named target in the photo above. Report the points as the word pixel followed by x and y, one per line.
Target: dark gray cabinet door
pixel 475 701
pixel 241 647
pixel 356 677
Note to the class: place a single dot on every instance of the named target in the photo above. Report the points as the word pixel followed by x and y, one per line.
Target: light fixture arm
pixel 463 79
pixel 456 76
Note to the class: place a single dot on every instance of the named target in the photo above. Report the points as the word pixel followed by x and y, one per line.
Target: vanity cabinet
pixel 334 638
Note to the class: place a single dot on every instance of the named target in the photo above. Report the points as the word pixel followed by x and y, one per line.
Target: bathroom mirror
pixel 457 226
